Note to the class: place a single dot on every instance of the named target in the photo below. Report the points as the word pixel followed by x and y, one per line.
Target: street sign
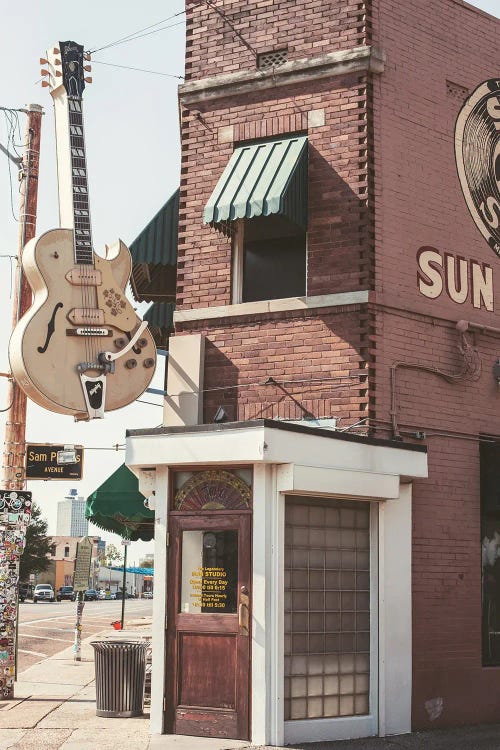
pixel 126 542
pixel 45 461
pixel 82 565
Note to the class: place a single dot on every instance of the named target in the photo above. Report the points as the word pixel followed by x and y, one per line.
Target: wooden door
pixel 208 635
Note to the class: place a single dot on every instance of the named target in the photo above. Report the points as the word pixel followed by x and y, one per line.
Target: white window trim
pixel 237 261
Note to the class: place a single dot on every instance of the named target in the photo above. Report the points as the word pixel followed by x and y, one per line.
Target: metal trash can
pixel 120 671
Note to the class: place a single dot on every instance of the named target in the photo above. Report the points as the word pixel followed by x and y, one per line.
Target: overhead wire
pixel 138 34
pixel 141 70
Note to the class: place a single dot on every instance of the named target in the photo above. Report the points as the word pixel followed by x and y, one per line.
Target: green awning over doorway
pixel 261 179
pixel 118 506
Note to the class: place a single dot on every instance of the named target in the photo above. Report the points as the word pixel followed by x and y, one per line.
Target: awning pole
pixel 124 583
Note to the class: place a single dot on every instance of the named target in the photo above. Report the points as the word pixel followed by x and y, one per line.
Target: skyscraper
pixel 71 519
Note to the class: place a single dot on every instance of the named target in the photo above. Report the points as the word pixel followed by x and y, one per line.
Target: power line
pixel 138 34
pixel 141 70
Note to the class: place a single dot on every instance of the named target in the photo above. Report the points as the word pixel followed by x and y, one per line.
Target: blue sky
pixel 131 123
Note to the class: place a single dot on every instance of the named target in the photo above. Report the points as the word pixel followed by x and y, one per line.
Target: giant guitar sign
pixel 80 349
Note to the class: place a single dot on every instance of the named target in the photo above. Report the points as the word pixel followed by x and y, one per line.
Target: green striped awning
pixel 160 315
pixel 261 179
pixel 154 255
pixel 157 242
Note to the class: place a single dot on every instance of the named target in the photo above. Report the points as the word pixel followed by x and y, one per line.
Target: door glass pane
pixel 327 608
pixel 209 580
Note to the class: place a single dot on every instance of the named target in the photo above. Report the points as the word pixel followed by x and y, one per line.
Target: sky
pixel 133 158
pixel 133 154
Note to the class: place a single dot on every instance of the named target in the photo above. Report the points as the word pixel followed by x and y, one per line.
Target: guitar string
pixel 82 267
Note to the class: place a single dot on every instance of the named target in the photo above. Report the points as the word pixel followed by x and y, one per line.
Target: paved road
pixel 47 628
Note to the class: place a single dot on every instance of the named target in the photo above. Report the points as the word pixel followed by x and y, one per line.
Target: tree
pixel 147 562
pixel 38 545
pixel 112 555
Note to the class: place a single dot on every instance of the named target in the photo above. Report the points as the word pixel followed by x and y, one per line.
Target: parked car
pixel 147 595
pixel 24 591
pixel 43 593
pixel 90 595
pixel 119 595
pixel 66 593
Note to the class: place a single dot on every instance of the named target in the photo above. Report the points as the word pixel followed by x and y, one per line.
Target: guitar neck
pixel 79 185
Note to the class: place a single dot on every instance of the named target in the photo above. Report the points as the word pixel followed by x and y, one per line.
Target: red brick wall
pixel 305 28
pixel 436 50
pixel 339 244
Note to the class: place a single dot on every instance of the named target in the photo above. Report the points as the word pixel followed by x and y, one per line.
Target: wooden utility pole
pixel 13 472
pixel 13 468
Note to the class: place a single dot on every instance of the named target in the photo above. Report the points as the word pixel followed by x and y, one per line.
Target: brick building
pixel 333 367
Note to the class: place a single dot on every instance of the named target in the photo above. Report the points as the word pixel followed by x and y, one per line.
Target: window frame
pixel 237 264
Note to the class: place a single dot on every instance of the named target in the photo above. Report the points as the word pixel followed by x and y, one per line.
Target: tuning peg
pixel 57 61
pixel 58 74
pixel 43 61
pixel 56 51
pixel 86 56
pixel 88 68
pixel 88 79
pixel 45 83
pixel 44 72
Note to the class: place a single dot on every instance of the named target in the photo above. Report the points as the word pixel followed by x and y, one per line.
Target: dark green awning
pixel 262 179
pixel 118 506
pixel 157 243
pixel 154 255
pixel 160 315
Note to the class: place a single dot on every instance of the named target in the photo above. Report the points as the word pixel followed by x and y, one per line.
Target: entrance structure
pixel 287 585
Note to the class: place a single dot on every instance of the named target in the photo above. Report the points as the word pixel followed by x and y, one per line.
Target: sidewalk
pixel 54 709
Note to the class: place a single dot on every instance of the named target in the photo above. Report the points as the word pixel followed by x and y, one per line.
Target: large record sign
pixel 477 152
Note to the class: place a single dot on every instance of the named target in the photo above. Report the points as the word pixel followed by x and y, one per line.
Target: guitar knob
pixel 142 343
pixel 149 362
pixel 130 364
pixel 120 343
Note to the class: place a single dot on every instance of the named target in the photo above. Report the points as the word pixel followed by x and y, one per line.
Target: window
pixel 269 259
pixel 327 608
pixel 261 198
pixel 66 552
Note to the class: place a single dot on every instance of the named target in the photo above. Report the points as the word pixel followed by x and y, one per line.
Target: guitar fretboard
pixel 81 210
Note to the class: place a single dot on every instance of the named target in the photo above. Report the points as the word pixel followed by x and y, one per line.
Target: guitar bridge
pixel 89 331
pixel 105 367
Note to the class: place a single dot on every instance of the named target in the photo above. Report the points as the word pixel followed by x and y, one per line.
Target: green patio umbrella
pixel 118 506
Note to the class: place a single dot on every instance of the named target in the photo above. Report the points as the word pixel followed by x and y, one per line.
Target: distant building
pixel 71 519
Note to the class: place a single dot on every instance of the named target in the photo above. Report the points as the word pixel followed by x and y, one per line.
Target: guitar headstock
pixel 66 67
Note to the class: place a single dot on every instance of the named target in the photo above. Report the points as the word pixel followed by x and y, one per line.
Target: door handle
pixel 244 612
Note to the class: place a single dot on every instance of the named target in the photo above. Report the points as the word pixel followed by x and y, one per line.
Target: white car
pixel 43 593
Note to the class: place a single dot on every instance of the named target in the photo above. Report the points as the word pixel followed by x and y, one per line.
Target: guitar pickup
pixel 86 316
pixel 84 276
pixel 89 331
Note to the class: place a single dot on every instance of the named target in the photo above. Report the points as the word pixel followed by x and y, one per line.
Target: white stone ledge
pixel 271 306
pixel 358 59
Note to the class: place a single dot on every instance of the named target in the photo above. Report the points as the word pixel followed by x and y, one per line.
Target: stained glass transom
pixel 327 609
pixel 213 490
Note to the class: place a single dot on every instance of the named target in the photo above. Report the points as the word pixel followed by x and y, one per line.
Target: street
pixel 47 628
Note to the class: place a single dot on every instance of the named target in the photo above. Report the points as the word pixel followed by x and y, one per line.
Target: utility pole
pixel 13 472
pixel 13 468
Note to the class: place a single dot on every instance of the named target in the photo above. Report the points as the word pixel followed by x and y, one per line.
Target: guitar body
pixel 54 341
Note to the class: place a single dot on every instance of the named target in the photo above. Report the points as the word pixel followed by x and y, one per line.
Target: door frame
pixel 178 622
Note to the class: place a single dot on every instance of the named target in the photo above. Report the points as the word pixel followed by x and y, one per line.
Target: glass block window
pixel 327 608
pixel 272 59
